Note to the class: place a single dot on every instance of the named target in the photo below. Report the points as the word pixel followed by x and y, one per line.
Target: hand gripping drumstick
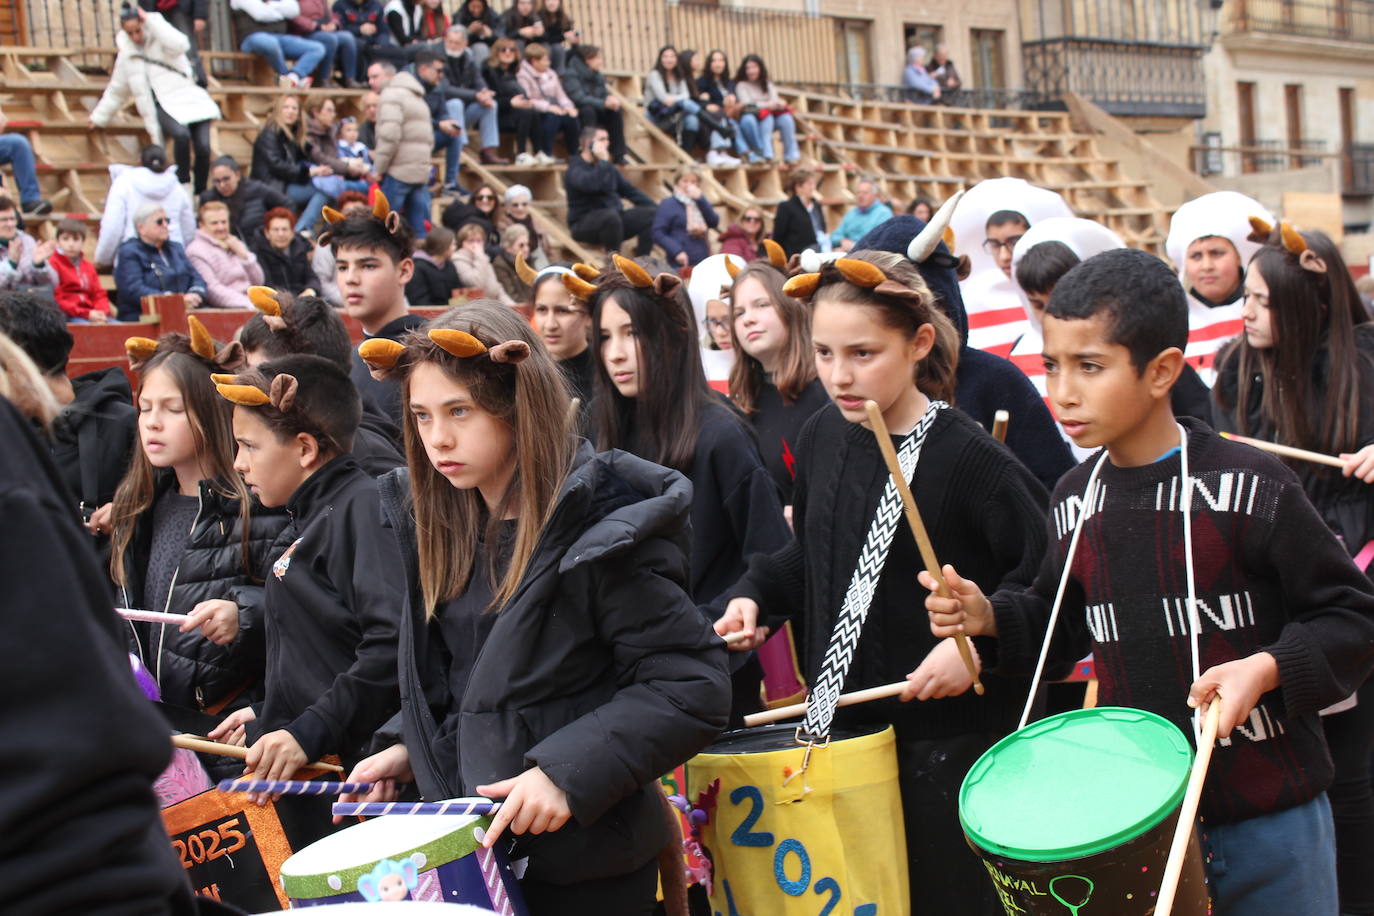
pixel 1288 451
pixel 1187 814
pixel 206 746
pixel 999 425
pixel 846 699
pixel 918 528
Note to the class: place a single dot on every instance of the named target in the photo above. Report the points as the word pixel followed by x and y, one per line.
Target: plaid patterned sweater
pixel 1270 577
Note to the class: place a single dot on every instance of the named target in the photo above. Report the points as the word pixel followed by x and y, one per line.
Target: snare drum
pixel 435 858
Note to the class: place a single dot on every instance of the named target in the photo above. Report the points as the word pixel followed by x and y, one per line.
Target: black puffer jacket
pixel 278 160
pixel 287 270
pixel 586 87
pixel 191 671
pixel 94 435
pixel 247 205
pixel 599 671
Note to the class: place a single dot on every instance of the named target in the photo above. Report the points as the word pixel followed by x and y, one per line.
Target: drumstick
pixel 129 613
pixel 1187 814
pixel 999 425
pixel 377 809
pixel 1288 451
pixel 846 699
pixel 918 528
pixel 292 786
pixel 205 745
pixel 732 638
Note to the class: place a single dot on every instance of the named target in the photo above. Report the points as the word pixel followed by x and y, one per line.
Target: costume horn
pixel 860 273
pixel 1292 238
pixel 801 286
pixel 380 352
pixel 202 344
pixel 264 299
pixel 243 395
pixel 731 267
pixel 929 238
pixel 632 271
pixel 577 287
pixel 458 343
pixel 524 271
pixel 776 256
pixel 1260 229
pixel 586 272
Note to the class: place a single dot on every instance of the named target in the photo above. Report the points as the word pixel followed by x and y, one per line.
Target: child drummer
pixel 1283 623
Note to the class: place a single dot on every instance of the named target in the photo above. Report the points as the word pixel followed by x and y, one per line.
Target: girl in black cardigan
pixel 978 502
pixel 652 400
pixel 547 624
pixel 799 223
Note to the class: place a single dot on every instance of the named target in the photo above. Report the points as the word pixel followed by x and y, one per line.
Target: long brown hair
pixel 797 365
pixel 934 375
pixel 532 399
pixel 297 133
pixel 212 431
pixel 1309 312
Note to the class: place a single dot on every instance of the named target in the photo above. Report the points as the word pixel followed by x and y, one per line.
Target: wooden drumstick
pixel 918 528
pixel 206 746
pixel 846 699
pixel 1187 813
pixel 732 638
pixel 999 425
pixel 1288 451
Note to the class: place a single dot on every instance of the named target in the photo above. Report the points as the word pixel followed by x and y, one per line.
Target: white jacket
pixel 132 186
pixel 262 11
pixel 158 70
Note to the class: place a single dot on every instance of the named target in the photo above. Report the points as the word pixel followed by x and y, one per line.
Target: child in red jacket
pixel 79 293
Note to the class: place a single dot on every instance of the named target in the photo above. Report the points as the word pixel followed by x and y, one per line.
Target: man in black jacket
pixel 585 84
pixel 247 198
pixel 594 189
pixel 468 98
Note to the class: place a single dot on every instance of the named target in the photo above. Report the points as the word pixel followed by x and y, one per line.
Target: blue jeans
pixel 453 153
pixel 690 122
pixel 277 49
pixel 1275 864
pixel 469 113
pixel 314 200
pixel 411 200
pixel 15 150
pixel 345 46
pixel 759 134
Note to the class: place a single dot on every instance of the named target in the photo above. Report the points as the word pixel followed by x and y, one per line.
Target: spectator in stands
pixel 555 112
pixel 1004 229
pixel 718 324
pixel 763 111
pixel 435 279
pixel 482 28
pixel 16 151
pixel 596 106
pixel 363 20
pixel 684 219
pixel 515 211
pixel 744 239
pixel 152 71
pixel 25 261
pixel 474 265
pixel 247 198
pixel 558 31
pixel 434 21
pixel 866 215
pixel 223 260
pixel 718 132
pixel 594 188
pixel 718 87
pixel 799 223
pixel 921 208
pixel 521 23
pixel 405 139
pixel 514 112
pixel 190 17
pixel 150 264
pixel 351 146
pixel 280 159
pixel 515 242
pixel 945 74
pixel 264 27
pixel 347 173
pixel 322 261
pixel 283 254
pixel 483 210
pixel 469 99
pixel 79 293
pixel 367 130
pixel 317 22
pixel 448 132
pixel 921 87
pixel 402 21
pixel 670 99
pixel 133 186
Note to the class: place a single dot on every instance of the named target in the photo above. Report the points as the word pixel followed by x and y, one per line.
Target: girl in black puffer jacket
pixel 186 536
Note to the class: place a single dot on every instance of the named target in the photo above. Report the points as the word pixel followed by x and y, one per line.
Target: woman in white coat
pixel 153 71
pixel 133 186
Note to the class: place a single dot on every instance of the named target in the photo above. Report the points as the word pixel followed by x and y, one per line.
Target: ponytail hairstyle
pixel 489 349
pixel 1313 305
pixel 189 360
pixel 663 420
pixel 892 286
pixel 797 365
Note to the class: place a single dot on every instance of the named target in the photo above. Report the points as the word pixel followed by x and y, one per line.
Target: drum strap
pixel 825 696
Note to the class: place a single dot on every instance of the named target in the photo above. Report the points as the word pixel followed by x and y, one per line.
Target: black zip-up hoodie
pixel 334 599
pixel 191 671
pixel 599 670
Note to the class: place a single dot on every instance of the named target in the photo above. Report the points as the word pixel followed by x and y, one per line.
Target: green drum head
pixel 1075 785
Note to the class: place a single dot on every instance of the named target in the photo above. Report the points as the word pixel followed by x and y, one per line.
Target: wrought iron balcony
pixel 1338 20
pixel 1123 77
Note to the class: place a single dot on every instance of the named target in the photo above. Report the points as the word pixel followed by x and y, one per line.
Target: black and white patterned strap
pixel 858 598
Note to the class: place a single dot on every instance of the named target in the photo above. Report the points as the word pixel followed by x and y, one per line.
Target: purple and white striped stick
pixel 129 613
pixel 377 809
pixel 291 786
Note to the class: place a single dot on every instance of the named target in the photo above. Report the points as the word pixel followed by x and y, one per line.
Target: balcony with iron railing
pixel 1335 20
pixel 1125 78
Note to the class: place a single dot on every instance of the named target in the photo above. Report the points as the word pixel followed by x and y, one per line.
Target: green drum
pixel 1074 815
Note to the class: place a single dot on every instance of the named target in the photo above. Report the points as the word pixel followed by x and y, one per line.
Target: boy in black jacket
pixel 1284 622
pixel 334 598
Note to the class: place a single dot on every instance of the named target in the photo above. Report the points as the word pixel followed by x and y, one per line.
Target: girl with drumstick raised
pixel 550 655
pixel 1308 336
pixel 878 335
